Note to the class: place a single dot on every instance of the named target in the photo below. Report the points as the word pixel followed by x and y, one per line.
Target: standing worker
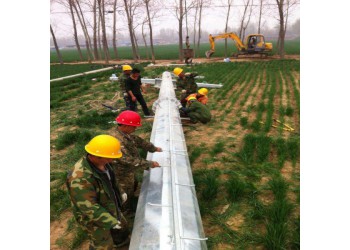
pixel 121 79
pixel 96 197
pixel 201 96
pixel 186 82
pixel 197 111
pixel 127 166
pixel 134 87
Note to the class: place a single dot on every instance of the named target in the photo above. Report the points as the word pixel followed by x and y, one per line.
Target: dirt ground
pixel 195 60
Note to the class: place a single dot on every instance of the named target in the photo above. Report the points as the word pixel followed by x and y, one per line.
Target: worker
pixel 134 88
pixel 130 168
pixel 201 96
pixel 186 82
pixel 252 42
pixel 121 79
pixel 96 197
pixel 196 111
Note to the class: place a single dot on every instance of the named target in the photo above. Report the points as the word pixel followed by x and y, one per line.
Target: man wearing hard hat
pixel 96 197
pixel 121 79
pixel 187 83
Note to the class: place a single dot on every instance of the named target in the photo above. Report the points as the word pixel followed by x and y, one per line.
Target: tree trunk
pixel 261 1
pixel 281 32
pixel 150 31
pixel 181 58
pixel 199 24
pixel 104 36
pixel 82 24
pixel 242 21
pixel 144 41
pixel 195 31
pixel 75 30
pixel 99 35
pixel 226 26
pixel 96 54
pixel 56 46
pixel 115 29
pixel 250 14
pixel 130 26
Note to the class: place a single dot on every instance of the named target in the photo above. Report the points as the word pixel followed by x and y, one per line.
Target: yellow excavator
pixel 255 44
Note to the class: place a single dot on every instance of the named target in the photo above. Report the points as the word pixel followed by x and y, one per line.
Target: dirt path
pixel 196 60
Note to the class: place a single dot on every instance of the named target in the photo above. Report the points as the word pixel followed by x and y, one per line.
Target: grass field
pixel 245 164
pixel 292 47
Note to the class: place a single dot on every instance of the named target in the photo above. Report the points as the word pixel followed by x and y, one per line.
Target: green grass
pixel 249 165
pixel 169 51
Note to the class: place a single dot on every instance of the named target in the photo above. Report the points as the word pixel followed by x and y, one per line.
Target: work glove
pixel 124 197
pixel 183 109
pixel 183 91
pixel 125 94
pixel 118 225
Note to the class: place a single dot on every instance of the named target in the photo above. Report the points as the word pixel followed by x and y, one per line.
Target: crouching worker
pixel 129 169
pixel 95 195
pixel 196 111
pixel 201 96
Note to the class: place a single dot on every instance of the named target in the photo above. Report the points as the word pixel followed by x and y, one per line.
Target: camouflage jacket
pixel 96 200
pixel 129 146
pixel 121 79
pixel 202 112
pixel 188 83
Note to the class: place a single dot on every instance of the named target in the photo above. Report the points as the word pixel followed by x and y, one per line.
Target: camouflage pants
pixel 106 239
pixel 126 100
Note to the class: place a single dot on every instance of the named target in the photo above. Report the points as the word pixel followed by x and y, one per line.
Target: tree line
pixel 140 15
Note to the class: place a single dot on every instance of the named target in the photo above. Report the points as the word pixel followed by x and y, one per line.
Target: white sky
pixel 213 18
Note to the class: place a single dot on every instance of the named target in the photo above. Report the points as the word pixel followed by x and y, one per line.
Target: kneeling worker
pixel 132 163
pixel 95 196
pixel 197 111
pixel 201 96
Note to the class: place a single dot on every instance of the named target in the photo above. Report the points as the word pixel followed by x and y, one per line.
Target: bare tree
pixel 246 24
pixel 200 5
pixel 261 5
pixel 229 4
pixel 56 46
pixel 150 30
pixel 115 29
pixel 70 2
pixel 83 26
pixel 246 4
pixel 101 5
pixel 195 29
pixel 95 29
pixel 144 38
pixel 129 14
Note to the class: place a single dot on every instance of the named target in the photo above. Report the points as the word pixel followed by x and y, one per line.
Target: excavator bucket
pixel 209 53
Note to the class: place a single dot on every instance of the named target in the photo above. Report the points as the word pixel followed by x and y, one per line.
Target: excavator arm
pixel 233 36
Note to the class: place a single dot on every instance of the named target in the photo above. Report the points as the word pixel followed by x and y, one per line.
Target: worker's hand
pixel 124 197
pixel 158 149
pixel 183 91
pixel 183 109
pixel 155 164
pixel 125 94
pixel 118 225
pixel 133 98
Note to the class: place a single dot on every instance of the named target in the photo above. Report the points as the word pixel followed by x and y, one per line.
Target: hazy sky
pixel 213 17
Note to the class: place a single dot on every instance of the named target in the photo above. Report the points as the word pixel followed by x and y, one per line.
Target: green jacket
pixel 96 201
pixel 121 80
pixel 188 83
pixel 198 111
pixel 129 146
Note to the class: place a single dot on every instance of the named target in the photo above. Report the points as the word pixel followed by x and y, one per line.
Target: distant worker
pixel 201 96
pixel 130 165
pixel 186 82
pixel 197 111
pixel 122 79
pixel 134 88
pixel 252 42
pixel 96 197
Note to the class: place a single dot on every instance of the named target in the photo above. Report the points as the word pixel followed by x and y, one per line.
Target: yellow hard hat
pixel 105 146
pixel 203 91
pixel 177 71
pixel 126 67
pixel 192 98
